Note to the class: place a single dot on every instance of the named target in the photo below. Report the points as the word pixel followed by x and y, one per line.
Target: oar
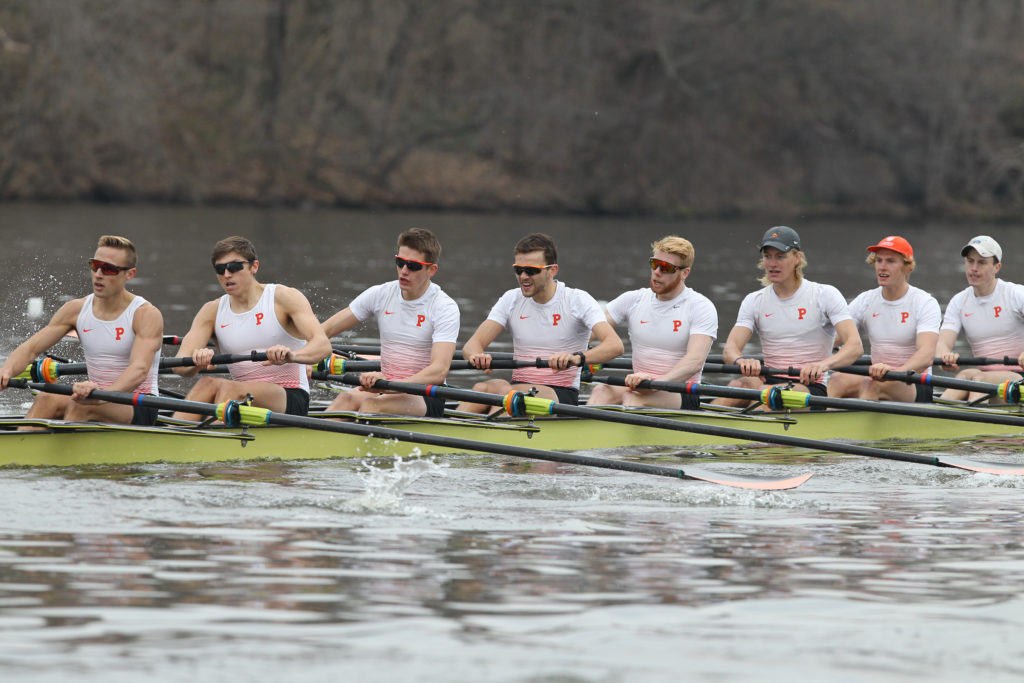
pixel 1009 392
pixel 343 351
pixel 517 404
pixel 866 360
pixel 49 369
pixel 234 414
pixel 777 398
pixel 336 365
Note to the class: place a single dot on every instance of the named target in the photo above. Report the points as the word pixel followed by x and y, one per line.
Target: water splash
pixel 386 487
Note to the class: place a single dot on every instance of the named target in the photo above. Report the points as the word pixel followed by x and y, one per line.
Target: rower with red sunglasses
pixel 253 316
pixel 418 325
pixel 121 334
pixel 547 319
pixel 671 328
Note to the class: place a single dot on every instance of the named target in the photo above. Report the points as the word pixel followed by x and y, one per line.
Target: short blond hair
pixel 677 246
pixel 117 242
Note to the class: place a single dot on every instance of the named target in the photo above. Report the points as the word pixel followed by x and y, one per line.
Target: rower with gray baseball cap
pixel 798 322
pixel 991 313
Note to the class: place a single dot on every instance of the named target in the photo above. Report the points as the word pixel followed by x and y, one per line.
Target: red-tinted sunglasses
pixel 664 266
pixel 106 268
pixel 411 264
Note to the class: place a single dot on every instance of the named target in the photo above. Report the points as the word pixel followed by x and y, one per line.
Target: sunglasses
pixel 106 268
pixel 230 266
pixel 411 264
pixel 529 270
pixel 664 266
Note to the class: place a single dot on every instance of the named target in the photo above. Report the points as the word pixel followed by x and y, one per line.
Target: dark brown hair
pixel 239 245
pixel 423 241
pixel 538 241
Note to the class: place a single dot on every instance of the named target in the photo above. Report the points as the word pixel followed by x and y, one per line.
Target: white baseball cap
pixel 985 246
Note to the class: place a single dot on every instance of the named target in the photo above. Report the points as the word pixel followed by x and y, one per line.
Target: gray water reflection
pixel 295 563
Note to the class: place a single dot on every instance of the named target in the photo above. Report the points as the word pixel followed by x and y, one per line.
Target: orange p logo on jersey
pixel 998 310
pixel 119 331
pixel 904 315
pixel 802 312
pixel 555 317
pixel 259 318
pixel 419 320
pixel 676 324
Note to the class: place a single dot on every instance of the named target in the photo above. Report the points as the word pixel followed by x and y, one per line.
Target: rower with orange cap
pixel 902 326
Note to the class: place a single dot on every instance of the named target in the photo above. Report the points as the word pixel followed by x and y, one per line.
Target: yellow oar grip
pixel 777 399
pixel 538 406
pixel 334 365
pixel 44 370
pixel 233 414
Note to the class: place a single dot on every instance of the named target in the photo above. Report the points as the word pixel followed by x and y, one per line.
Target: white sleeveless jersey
pixel 892 326
pixel 994 324
pixel 796 330
pixel 561 325
pixel 408 329
pixel 257 330
pixel 107 345
pixel 659 331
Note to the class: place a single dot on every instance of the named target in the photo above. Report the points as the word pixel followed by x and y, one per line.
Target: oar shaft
pixel 888 407
pixel 909 376
pixel 651 421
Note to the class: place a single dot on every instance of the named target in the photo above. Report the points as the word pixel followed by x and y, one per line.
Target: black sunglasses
pixel 106 268
pixel 230 266
pixel 530 270
pixel 410 264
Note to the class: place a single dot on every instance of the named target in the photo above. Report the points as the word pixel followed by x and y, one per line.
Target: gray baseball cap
pixel 782 238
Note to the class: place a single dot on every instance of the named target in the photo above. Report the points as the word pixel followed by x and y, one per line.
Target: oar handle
pixel 218 359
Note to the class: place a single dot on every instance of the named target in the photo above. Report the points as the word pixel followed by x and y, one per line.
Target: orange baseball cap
pixel 895 243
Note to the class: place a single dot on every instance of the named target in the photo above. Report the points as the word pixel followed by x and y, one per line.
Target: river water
pixel 480 568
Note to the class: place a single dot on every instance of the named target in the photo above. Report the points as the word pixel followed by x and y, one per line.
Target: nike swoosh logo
pixel 523 317
pixel 89 330
pixel 388 312
pixel 223 326
pixel 644 322
pixel 874 315
pixel 968 315
pixel 768 315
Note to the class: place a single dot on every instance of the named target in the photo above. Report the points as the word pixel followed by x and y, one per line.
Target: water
pixel 481 568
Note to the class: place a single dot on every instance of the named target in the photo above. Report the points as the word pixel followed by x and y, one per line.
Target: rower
pixel 991 313
pixel 797 321
pixel 671 329
pixel 253 316
pixel 419 327
pixel 120 333
pixel 902 325
pixel 547 319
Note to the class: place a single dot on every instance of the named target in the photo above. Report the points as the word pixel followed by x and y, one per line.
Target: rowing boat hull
pixel 68 444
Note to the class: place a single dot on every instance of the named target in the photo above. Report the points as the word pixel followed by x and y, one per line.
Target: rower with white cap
pixel 991 313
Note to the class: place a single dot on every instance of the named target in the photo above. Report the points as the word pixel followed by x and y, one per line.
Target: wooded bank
pixel 664 107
